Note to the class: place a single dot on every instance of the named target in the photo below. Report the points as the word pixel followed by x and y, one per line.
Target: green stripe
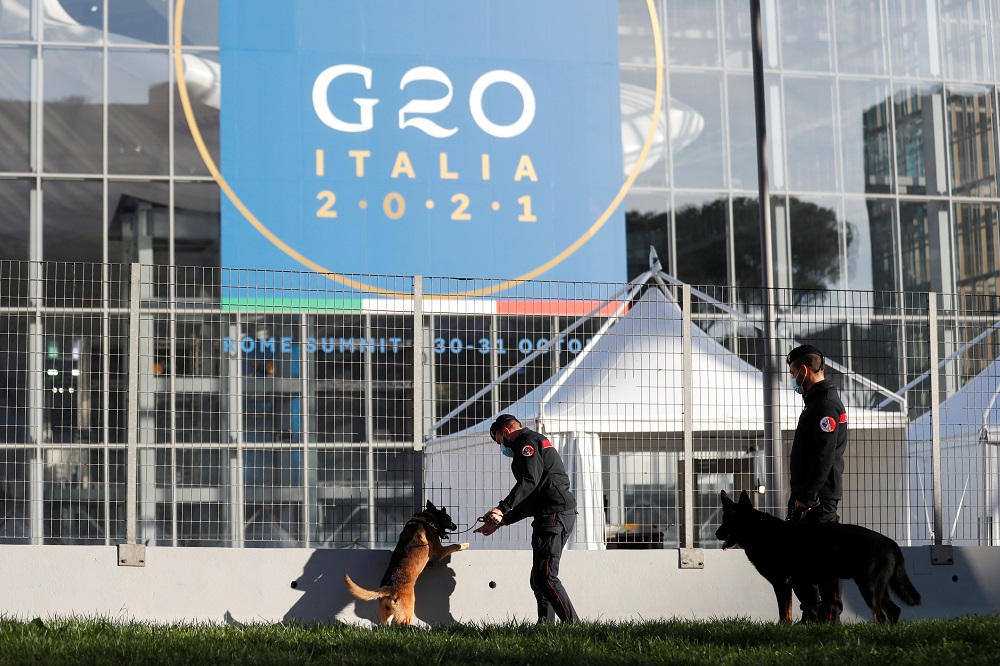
pixel 270 304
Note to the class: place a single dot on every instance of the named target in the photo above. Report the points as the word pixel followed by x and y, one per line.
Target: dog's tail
pixel 900 582
pixel 362 593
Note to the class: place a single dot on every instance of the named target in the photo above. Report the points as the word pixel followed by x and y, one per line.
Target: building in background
pixel 882 120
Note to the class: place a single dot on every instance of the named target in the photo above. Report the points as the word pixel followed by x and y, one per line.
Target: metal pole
pixel 774 495
pixel 932 340
pixel 418 392
pixel 688 418
pixel 134 333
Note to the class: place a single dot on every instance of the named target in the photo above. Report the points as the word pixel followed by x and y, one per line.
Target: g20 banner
pixel 435 137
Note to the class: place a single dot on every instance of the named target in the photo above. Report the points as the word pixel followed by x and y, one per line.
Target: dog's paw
pixel 463 546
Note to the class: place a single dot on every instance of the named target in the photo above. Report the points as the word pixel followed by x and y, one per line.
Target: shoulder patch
pixel 528 451
pixel 843 417
pixel 546 444
pixel 827 424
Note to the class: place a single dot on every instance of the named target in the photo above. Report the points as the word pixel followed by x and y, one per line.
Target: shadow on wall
pixel 325 597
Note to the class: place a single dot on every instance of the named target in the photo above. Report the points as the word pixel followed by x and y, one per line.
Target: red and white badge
pixel 827 424
pixel 528 451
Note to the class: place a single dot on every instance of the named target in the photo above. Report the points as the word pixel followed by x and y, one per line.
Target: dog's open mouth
pixel 727 541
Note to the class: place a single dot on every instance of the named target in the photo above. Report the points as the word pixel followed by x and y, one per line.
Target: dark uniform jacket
pixel 542 484
pixel 816 463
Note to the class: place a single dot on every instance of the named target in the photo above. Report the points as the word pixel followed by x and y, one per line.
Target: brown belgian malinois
pixel 418 543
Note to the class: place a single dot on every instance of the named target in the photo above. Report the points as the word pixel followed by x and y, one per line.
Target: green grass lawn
pixel 970 640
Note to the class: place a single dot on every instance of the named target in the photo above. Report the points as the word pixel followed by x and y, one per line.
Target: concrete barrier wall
pixel 275 585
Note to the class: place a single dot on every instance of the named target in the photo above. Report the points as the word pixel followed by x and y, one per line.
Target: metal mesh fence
pixel 284 409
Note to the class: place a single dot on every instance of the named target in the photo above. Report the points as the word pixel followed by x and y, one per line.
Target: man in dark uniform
pixel 542 492
pixel 816 467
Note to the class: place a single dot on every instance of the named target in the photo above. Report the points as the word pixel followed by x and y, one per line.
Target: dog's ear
pixel 430 505
pixel 725 498
pixel 745 499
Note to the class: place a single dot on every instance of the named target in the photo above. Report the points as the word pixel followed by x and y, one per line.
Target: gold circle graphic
pixel 360 286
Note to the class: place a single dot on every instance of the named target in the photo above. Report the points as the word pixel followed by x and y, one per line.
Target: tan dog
pixel 419 541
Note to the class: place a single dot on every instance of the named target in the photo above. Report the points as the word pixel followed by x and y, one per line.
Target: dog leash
pixel 463 531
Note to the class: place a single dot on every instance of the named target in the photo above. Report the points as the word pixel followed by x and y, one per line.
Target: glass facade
pixel 881 119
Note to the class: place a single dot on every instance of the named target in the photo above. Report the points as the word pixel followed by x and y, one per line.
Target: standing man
pixel 542 492
pixel 816 467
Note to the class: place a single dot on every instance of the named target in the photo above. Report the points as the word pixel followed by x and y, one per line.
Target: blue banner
pixel 433 137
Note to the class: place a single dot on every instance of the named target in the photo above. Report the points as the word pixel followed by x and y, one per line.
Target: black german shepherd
pixel 817 552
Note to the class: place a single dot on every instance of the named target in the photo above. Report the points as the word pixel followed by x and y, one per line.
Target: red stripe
pixel 843 417
pixel 546 444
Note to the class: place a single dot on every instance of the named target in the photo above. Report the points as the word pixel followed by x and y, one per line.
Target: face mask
pixel 799 388
pixel 506 451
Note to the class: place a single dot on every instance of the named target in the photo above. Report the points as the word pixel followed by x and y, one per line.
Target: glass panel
pixel 742 132
pixel 977 249
pixel 814 230
pixel 806 35
pixel 138 113
pixel 271 366
pixel 75 488
pixel 192 417
pixel 394 504
pixel 340 379
pixel 342 499
pixel 273 488
pixel 702 232
pixel 697 135
pixel 15 504
pixel 391 352
pixel 73 231
pixel 148 21
pixel 15 108
pixel 920 150
pixel 738 36
pixel 73 380
pixel 73 21
pixel 201 23
pixel 197 244
pixel 202 76
pixel 965 40
pixel 693 33
pixel 973 142
pixel 73 120
pixel 913 39
pixel 746 245
pixel 520 337
pixel 138 217
pixel 871 256
pixel 809 130
pixel 460 369
pixel 15 420
pixel 861 36
pixel 647 224
pixel 635 34
pixel 16 20
pixel 15 221
pixel 864 136
pixel 638 99
pixel 924 233
pixel 193 493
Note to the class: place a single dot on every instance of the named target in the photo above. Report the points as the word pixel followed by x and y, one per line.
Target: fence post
pixel 687 406
pixel 940 554
pixel 130 553
pixel 418 392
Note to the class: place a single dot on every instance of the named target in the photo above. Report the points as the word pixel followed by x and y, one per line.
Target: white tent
pixel 969 436
pixel 625 387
